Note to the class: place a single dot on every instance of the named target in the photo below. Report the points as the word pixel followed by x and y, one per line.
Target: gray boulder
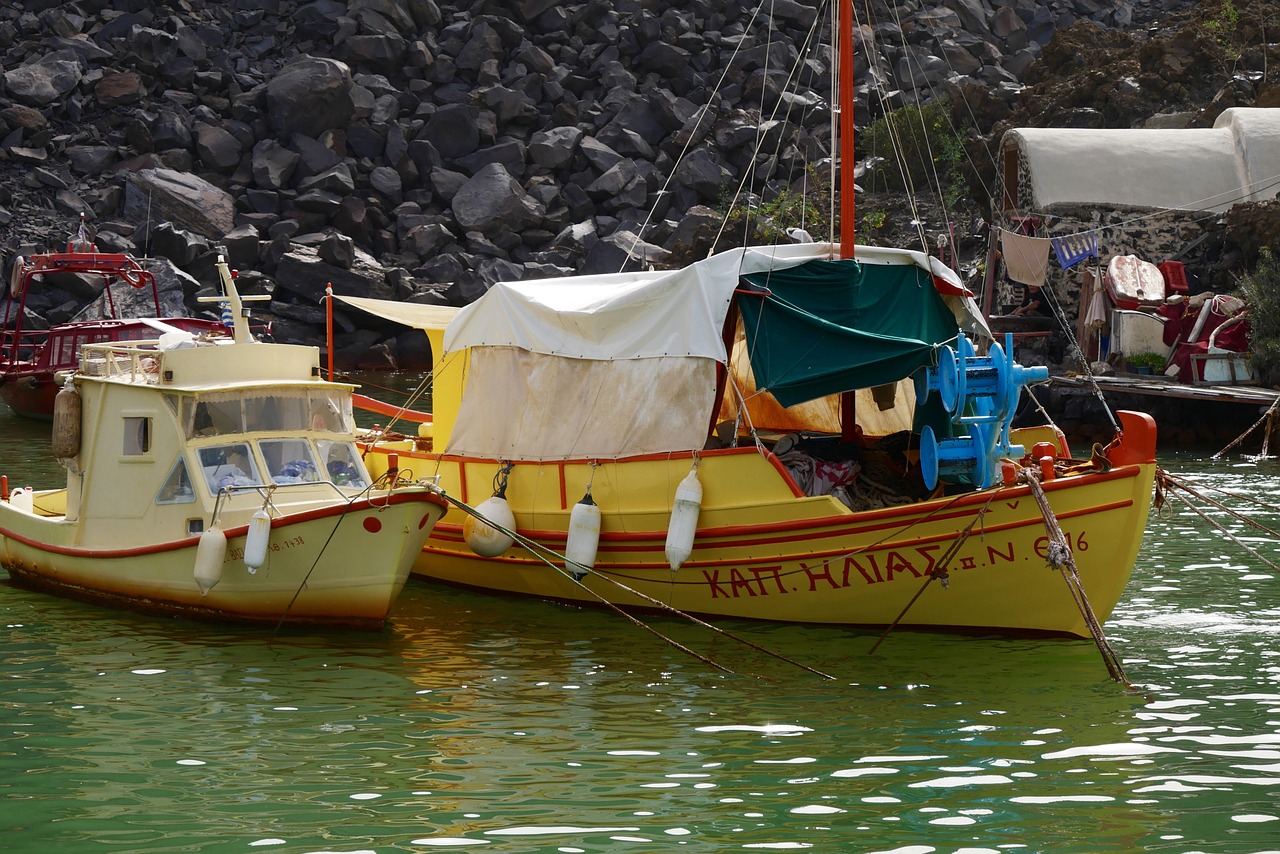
pixel 186 200
pixel 310 96
pixel 493 200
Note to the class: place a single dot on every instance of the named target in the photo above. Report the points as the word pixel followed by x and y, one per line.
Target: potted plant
pixel 1146 363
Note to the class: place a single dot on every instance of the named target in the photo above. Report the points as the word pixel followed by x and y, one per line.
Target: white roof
pixel 1236 160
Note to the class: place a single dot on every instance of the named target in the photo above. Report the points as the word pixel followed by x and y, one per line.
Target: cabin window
pixel 332 414
pixel 177 487
pixel 289 460
pixel 227 466
pixel 137 436
pixel 342 462
pixel 212 417
pixel 276 412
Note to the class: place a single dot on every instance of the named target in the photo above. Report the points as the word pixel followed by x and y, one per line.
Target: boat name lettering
pixel 872 568
pixel 1079 544
pixel 737 583
pixel 276 546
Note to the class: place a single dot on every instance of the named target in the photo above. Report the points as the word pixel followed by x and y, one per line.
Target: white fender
pixel 684 520
pixel 584 536
pixel 210 554
pixel 255 542
pixel 67 408
pixel 484 539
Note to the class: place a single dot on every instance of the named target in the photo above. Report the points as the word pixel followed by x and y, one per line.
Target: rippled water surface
pixel 489 724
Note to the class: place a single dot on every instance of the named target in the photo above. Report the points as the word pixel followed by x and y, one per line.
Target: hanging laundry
pixel 1026 259
pixel 1071 249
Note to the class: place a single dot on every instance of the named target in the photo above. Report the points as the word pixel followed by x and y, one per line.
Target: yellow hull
pixel 763 552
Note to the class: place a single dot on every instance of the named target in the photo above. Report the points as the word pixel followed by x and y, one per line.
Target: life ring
pixel 136 278
pixel 15 278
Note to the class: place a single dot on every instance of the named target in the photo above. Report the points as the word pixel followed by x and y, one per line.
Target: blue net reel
pixel 981 394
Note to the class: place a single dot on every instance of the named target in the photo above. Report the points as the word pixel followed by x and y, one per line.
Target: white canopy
pixel 1236 160
pixel 623 315
pixel 612 365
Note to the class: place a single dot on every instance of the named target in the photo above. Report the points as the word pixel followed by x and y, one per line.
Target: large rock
pixel 186 200
pixel 310 96
pixel 44 81
pixel 302 272
pixel 493 200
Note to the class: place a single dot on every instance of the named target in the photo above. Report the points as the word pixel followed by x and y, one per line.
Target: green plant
pixel 875 219
pixel 1154 361
pixel 789 208
pixel 1224 27
pixel 1261 291
pixel 920 148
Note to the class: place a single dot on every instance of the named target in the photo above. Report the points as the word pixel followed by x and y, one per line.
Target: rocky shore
pixel 423 149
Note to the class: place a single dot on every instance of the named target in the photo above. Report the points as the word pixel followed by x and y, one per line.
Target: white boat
pixel 215 478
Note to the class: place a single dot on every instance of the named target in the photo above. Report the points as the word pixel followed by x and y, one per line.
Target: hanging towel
pixel 1026 259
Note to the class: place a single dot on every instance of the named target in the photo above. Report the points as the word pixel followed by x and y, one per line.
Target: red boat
pixel 31 359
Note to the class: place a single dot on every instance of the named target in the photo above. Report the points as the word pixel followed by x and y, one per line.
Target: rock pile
pixel 423 149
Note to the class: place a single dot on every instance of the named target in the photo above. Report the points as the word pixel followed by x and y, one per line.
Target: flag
pixel 1074 248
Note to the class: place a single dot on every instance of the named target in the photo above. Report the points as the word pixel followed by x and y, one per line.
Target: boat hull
pixel 30 395
pixel 339 565
pixel 764 552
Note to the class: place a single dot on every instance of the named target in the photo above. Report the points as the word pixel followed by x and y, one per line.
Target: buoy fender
pixel 210 554
pixel 684 520
pixel 584 533
pixel 485 539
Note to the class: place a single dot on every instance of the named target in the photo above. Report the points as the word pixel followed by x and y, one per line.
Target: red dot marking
pixel 372 524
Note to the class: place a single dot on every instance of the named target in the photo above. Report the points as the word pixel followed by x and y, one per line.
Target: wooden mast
pixel 845 155
pixel 843 15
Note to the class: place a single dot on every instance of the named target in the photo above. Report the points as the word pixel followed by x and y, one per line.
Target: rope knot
pixel 1059 555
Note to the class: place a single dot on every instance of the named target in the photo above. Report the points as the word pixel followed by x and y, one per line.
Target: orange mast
pixel 844 89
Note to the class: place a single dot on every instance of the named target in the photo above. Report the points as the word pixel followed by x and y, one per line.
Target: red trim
pixel 444 533
pixel 239 531
pixel 741 536
pixel 361 401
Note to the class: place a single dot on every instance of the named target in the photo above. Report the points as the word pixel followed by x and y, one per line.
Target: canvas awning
pixel 833 326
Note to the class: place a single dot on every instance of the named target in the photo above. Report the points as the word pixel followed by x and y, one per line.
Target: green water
pixel 482 723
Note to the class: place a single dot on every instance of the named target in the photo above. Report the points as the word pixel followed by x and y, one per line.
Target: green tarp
pixel 832 326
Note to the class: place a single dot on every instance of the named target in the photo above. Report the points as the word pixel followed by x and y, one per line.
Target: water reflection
pixel 481 722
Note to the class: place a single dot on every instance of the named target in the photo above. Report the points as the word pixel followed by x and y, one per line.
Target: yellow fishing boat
pixel 849 449
pixel 799 433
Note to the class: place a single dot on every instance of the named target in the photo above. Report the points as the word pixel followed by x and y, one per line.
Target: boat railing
pixel 134 361
pixel 21 346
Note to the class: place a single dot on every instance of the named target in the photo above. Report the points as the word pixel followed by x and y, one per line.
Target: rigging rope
pixel 548 556
pixel 939 571
pixel 1269 417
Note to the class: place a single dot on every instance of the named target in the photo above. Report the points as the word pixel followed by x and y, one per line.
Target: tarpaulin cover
pixel 831 326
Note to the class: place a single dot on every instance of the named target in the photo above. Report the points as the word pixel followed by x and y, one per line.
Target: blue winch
pixel 981 393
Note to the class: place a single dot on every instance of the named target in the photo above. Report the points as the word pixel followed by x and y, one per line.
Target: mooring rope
pixel 1269 417
pixel 1164 482
pixel 547 555
pixel 1061 559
